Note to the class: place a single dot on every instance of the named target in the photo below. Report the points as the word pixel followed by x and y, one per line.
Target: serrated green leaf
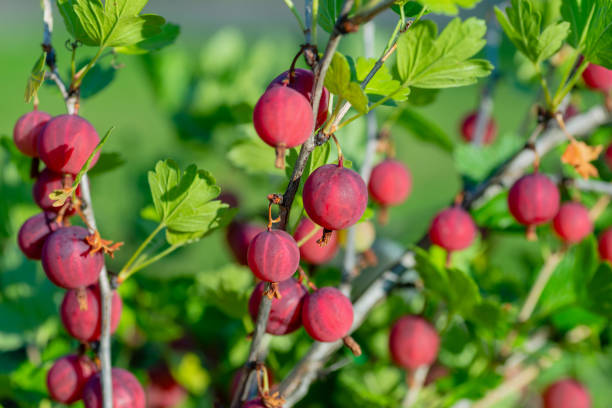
pixel 253 156
pixel 424 129
pixel 338 82
pixel 522 24
pixel 590 28
pixel 36 78
pixel 448 6
pixel 169 33
pixel 382 83
pixel 426 60
pixel 227 288
pixel 329 10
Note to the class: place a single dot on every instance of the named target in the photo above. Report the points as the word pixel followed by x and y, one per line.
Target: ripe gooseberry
pixel 163 391
pixel 67 261
pixel 68 376
pixel 452 229
pixel 468 129
pixel 310 250
pixel 301 81
pixel 566 393
pixel 239 236
pixel 34 232
pixel 604 245
pixel 286 312
pixel 81 312
pixel 572 223
pixel 390 184
pixel 608 156
pixel 273 255
pixel 27 129
pixel 413 342
pixel 47 182
pixel 327 314
pixel 66 143
pixel 127 391
pixel 283 119
pixel 335 198
pixel 533 200
pixel 598 77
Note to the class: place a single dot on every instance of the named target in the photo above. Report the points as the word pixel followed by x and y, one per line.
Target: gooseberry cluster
pixel 64 143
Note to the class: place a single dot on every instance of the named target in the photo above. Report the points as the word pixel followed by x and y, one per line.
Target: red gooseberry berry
pixel 598 77
pixel 34 232
pixel 567 393
pixel 572 223
pixel 390 184
pixel 604 245
pixel 66 143
pixel 310 250
pixel 27 129
pixel 302 81
pixel 327 314
pixel 163 391
pixel 334 197
pixel 283 119
pixel 452 229
pixel 533 200
pixel 468 129
pixel 273 255
pixel 68 376
pixel 127 391
pixel 286 312
pixel 413 342
pixel 46 183
pixel 239 236
pixel 81 312
pixel 608 156
pixel 67 259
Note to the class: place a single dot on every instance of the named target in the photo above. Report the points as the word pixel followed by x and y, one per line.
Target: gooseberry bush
pixel 495 292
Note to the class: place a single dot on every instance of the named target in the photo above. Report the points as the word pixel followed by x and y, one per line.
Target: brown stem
pixel 352 345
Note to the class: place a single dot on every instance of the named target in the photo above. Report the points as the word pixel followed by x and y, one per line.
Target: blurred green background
pixel 192 102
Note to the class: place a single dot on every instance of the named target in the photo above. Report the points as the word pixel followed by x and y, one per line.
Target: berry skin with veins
pixel 34 232
pixel 311 251
pixel 286 312
pixel 566 393
pixel 67 261
pixel 335 197
pixel 66 143
pixel 327 315
pixel 598 78
pixel 468 129
pixel 273 256
pixel 27 129
pixel 127 391
pixel 390 183
pixel 239 236
pixel 68 376
pixel 302 82
pixel 283 119
pixel 533 200
pixel 572 223
pixel 452 229
pixel 413 342
pixel 47 182
pixel 604 245
pixel 81 313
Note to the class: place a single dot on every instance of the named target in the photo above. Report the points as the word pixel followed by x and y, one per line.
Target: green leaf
pixel 36 78
pixel 424 129
pixel 477 162
pixel 184 202
pixel 426 60
pixel 227 288
pixel 98 78
pixel 522 24
pixel 599 290
pixel 411 8
pixel 570 317
pixel 448 6
pixel 21 162
pixel 253 156
pixel 382 83
pixel 167 36
pixel 590 28
pixel 115 23
pixel 329 10
pixel 108 161
pixel 338 82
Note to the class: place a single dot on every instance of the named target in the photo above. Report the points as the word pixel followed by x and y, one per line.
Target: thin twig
pixel 71 101
pixel 416 384
pixel 538 286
